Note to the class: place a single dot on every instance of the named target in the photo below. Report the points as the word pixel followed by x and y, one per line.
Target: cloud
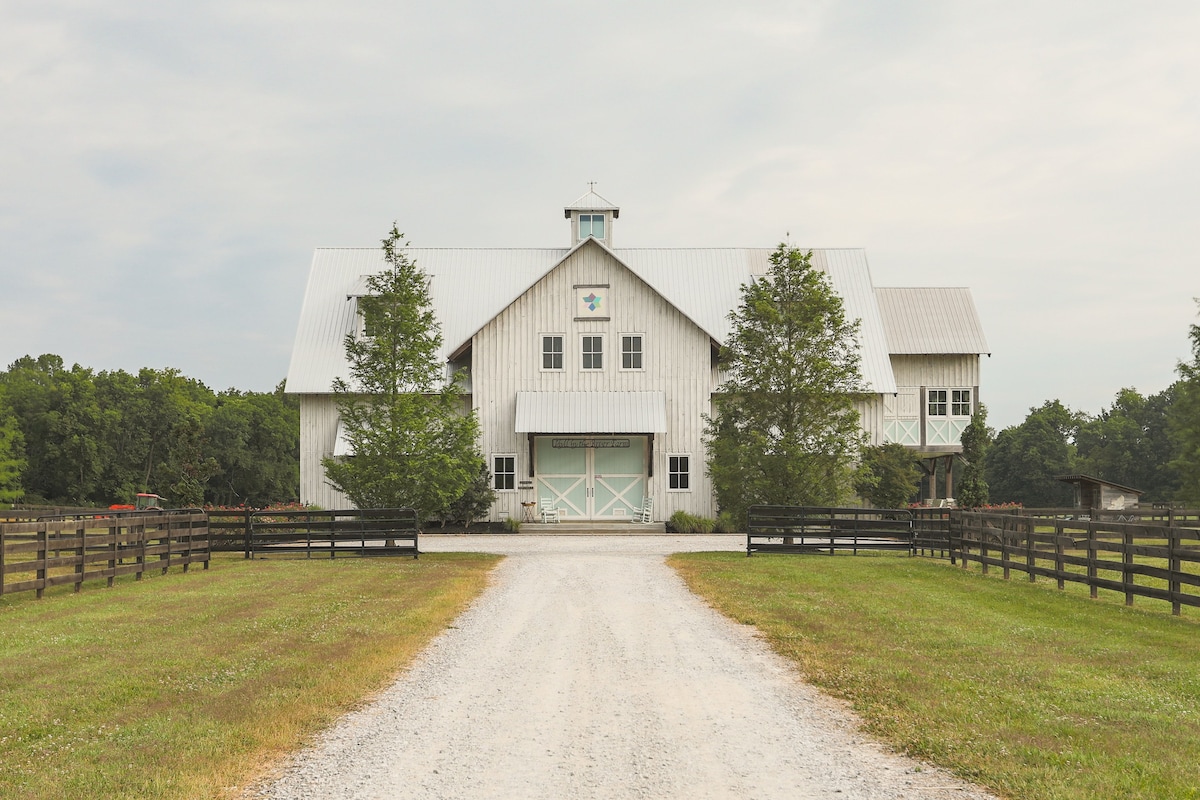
pixel 168 169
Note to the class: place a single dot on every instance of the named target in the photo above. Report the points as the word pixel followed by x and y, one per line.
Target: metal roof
pixel 590 201
pixel 591 412
pixel 706 284
pixel 1098 481
pixel 930 320
pixel 470 286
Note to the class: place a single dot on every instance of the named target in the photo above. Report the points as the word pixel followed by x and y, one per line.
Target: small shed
pixel 1093 492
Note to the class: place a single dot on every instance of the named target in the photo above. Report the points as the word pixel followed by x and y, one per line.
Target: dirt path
pixel 588 670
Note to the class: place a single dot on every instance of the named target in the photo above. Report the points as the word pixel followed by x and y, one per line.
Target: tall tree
pixel 12 455
pixel 972 491
pixel 1128 443
pixel 786 429
pixel 1185 424
pixel 413 442
pixel 255 438
pixel 1023 462
pixel 888 475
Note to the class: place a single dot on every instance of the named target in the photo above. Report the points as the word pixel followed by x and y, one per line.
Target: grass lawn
pixel 1032 692
pixel 188 685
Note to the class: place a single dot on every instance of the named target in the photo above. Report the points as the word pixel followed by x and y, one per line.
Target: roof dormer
pixel 591 215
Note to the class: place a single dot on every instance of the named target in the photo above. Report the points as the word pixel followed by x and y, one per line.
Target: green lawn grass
pixel 189 685
pixel 1032 692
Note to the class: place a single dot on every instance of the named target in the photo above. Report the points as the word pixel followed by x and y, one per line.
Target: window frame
pixel 496 473
pixel 584 354
pixel 640 352
pixel 592 219
pixel 673 474
pixel 957 402
pixel 943 402
pixel 562 352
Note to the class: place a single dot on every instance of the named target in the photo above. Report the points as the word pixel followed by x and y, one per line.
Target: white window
pixel 552 352
pixel 948 402
pixel 679 468
pixel 936 402
pixel 504 472
pixel 591 225
pixel 960 403
pixel 631 351
pixel 593 352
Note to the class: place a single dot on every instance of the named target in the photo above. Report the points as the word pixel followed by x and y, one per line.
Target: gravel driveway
pixel 588 670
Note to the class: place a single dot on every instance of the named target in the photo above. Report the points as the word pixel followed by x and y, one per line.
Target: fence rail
pixel 1135 558
pixel 40 554
pixel 809 529
pixel 358 532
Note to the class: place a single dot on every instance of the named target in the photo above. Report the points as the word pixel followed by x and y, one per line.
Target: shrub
pixel 683 522
pixel 512 524
pixel 727 523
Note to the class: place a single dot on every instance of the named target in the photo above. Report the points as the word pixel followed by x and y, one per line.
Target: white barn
pixel 591 366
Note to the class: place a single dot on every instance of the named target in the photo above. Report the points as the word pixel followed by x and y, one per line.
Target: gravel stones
pixel 588 670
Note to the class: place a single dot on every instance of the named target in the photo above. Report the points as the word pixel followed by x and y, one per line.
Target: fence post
pixel 43 537
pixel 1030 551
pixel 3 545
pixel 1093 573
pixel 950 526
pixel 246 532
pixel 80 552
pixel 1174 566
pixel 1126 563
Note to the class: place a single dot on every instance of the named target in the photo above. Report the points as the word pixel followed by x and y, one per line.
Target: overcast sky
pixel 166 168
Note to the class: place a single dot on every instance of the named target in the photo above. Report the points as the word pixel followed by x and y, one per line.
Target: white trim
pixel 603 352
pixel 688 456
pixel 542 352
pixel 641 352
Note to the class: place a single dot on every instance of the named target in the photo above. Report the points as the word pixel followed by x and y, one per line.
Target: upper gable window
pixel 591 225
pixel 631 351
pixel 593 352
pixel 552 352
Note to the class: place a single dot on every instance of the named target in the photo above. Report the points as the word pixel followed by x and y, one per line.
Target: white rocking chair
pixel 550 512
pixel 644 514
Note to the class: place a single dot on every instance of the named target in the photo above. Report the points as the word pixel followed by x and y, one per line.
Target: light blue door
pixel 591 477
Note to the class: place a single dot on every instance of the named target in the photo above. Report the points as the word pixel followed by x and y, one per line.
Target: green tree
pixel 414 443
pixel 888 475
pixel 1128 443
pixel 972 490
pixel 1024 460
pixel 1185 424
pixel 12 455
pixel 255 439
pixel 786 429
pixel 60 419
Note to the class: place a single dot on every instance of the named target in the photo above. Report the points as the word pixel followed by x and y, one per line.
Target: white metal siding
pixel 506 359
pixel 318 432
pixel 942 372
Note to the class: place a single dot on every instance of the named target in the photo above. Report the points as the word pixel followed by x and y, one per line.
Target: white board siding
pixel 506 359
pixel 318 432
pixel 937 371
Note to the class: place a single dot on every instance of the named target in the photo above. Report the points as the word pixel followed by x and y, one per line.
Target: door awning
pixel 591 412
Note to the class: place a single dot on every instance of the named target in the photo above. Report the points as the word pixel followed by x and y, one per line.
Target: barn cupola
pixel 591 215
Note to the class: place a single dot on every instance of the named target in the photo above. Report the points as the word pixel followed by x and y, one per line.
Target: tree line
pixel 74 436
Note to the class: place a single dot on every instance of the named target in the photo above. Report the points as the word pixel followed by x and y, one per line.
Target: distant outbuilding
pixel 1093 492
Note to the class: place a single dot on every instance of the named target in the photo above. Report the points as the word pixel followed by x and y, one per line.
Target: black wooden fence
pixel 1141 554
pixel 52 551
pixel 809 529
pixel 353 532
